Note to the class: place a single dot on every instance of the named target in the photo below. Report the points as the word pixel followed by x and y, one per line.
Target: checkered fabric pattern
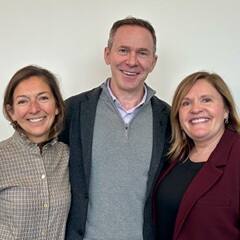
pixel 34 190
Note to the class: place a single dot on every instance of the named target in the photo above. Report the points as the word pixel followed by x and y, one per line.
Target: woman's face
pixel 34 108
pixel 202 113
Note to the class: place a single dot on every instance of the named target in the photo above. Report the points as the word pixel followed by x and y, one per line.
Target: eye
pixel 206 99
pixel 185 103
pixel 22 102
pixel 43 98
pixel 122 51
pixel 143 53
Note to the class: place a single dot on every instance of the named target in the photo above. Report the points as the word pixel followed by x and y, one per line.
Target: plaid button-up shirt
pixel 34 190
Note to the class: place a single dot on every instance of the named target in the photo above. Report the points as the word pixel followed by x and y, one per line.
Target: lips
pixel 199 120
pixel 35 120
pixel 130 73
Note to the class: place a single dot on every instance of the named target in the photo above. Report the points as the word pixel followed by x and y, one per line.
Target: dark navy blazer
pixel 78 134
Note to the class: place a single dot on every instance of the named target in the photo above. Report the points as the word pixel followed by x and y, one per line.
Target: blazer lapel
pixel 87 116
pixel 161 132
pixel 204 180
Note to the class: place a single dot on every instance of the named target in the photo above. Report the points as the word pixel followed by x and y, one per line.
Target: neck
pixel 202 150
pixel 129 102
pixel 128 99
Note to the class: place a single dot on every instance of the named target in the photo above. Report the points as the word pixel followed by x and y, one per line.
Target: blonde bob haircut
pixel 181 144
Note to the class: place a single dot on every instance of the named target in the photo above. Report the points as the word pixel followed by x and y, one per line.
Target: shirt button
pixel 45 205
pixel 43 176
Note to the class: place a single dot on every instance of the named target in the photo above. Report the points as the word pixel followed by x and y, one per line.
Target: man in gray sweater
pixel 118 134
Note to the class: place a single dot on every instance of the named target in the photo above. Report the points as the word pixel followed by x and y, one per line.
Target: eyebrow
pixel 138 49
pixel 123 46
pixel 143 49
pixel 45 92
pixel 202 96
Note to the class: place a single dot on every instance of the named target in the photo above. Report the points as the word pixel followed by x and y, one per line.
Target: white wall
pixel 68 38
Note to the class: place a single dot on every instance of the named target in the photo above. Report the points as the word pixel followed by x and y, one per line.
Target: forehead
pixel 133 35
pixel 203 87
pixel 32 84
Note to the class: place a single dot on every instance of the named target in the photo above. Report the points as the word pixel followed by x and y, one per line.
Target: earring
pixel 226 120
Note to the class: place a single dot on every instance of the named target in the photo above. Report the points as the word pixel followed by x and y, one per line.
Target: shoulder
pixel 160 104
pixel 9 151
pixel 61 147
pixel 84 96
pixel 161 109
pixel 73 104
pixel 233 163
pixel 6 144
pixel 236 140
pixel 231 135
pixel 161 115
pixel 229 144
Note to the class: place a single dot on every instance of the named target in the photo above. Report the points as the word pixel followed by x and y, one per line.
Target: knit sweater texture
pixel 121 156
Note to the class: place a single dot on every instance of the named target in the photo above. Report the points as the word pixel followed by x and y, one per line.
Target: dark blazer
pixel 210 208
pixel 78 134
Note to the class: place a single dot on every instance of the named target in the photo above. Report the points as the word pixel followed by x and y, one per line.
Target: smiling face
pixel 131 59
pixel 34 108
pixel 202 113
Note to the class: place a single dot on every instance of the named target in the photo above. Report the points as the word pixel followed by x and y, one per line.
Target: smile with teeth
pixel 33 120
pixel 199 120
pixel 129 73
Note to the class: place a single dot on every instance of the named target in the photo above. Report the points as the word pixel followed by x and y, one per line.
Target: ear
pixel 11 113
pixel 56 111
pixel 155 58
pixel 226 114
pixel 107 55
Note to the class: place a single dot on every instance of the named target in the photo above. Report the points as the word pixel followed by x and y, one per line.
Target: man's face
pixel 131 59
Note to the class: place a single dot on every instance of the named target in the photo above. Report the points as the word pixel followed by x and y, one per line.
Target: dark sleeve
pixel 166 160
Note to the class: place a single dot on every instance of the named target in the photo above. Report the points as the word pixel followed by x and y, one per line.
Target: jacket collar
pixel 87 115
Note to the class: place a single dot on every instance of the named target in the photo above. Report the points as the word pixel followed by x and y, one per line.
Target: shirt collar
pixel 21 137
pixel 114 98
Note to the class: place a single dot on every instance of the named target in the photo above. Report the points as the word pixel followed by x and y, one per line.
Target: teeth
pixel 130 73
pixel 36 119
pixel 199 120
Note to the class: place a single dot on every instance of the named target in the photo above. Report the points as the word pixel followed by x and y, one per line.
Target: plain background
pixel 68 37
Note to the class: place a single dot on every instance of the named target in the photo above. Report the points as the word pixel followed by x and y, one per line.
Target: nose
pixel 132 59
pixel 196 107
pixel 34 107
